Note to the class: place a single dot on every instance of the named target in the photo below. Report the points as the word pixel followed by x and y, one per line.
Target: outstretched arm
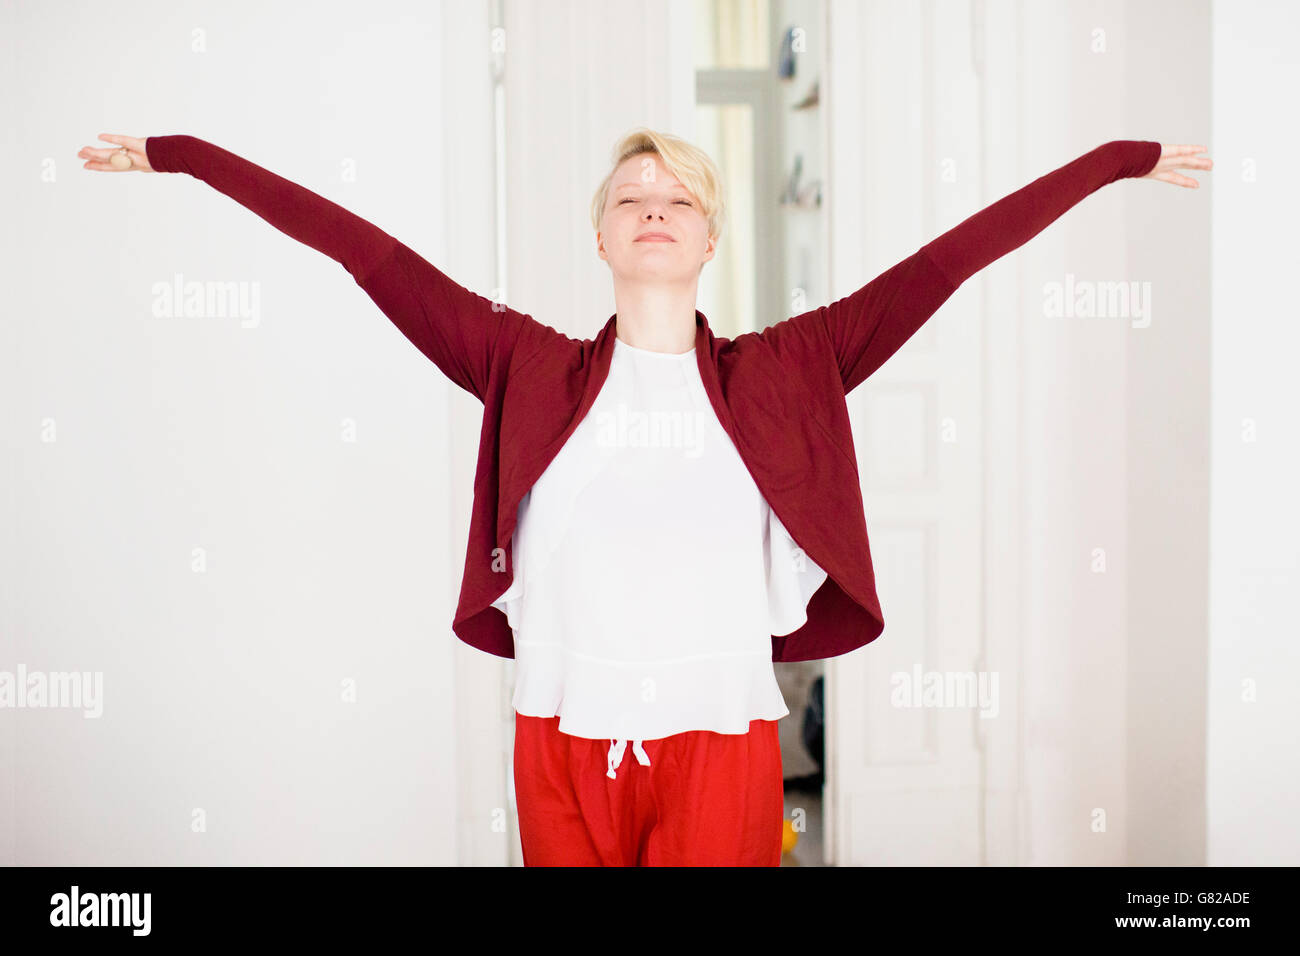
pixel 466 335
pixel 866 327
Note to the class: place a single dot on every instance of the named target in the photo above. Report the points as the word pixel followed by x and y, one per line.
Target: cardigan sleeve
pixel 465 334
pixel 866 327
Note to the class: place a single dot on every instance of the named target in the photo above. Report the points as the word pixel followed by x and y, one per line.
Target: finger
pixel 133 143
pixel 1175 161
pixel 1192 163
pixel 99 159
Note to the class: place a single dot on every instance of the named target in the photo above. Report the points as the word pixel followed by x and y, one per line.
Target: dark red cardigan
pixel 779 393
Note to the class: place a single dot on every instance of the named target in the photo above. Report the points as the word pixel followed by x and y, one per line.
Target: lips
pixel 655 237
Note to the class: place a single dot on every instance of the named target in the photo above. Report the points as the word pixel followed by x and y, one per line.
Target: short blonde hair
pixel 690 164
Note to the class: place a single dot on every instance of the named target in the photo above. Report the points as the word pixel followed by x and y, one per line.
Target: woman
pixel 659 514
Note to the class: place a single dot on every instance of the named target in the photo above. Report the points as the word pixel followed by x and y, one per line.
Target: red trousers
pixel 705 799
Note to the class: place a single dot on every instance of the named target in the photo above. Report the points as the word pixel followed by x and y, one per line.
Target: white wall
pixel 132 440
pixel 1168 432
pixel 1112 412
pixel 1253 761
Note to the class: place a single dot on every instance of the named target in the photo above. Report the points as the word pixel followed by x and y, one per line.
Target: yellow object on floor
pixel 788 837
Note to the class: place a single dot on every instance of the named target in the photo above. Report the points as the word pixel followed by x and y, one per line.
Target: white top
pixel 650 572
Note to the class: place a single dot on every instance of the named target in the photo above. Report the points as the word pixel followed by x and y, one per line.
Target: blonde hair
pixel 690 164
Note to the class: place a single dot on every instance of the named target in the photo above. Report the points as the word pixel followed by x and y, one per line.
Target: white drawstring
pixel 616 755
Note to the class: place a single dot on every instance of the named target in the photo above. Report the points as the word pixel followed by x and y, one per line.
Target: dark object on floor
pixel 813 732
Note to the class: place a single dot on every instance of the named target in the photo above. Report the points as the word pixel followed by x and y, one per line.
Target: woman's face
pixel 646 202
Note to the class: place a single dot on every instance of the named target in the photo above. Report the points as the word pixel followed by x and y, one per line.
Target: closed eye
pixel 686 201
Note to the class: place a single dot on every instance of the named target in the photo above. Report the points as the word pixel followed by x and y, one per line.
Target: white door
pixel 905 779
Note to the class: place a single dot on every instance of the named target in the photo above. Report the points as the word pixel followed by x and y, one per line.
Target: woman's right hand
pixel 98 159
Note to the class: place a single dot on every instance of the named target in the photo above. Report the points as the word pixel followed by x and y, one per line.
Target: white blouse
pixel 650 572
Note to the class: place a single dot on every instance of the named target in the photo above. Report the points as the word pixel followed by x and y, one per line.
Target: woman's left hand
pixel 1178 157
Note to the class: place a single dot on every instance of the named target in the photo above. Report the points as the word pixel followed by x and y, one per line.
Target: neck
pixel 657 318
